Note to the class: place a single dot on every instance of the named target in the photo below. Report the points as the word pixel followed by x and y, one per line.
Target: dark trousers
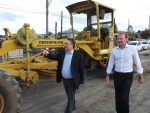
pixel 70 89
pixel 122 83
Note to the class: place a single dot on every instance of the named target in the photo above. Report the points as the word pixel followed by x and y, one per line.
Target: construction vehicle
pixel 95 43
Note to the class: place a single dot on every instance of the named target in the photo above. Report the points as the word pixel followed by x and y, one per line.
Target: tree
pixel 105 26
pixel 131 37
pixel 130 29
pixel 50 33
pixel 89 28
pixel 59 33
pixel 145 34
pixel 61 37
pixel 84 29
pixel 79 35
pixel 139 31
pixel 1 36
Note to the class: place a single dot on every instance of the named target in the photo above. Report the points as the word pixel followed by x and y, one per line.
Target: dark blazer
pixel 77 66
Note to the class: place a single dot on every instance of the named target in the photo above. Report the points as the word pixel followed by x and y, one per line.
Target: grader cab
pixel 96 39
pixel 95 42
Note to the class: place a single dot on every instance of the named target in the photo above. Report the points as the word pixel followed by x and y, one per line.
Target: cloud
pixel 7 16
pixel 13 14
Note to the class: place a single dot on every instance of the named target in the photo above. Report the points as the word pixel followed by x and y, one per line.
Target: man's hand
pixel 81 85
pixel 140 79
pixel 107 79
pixel 45 52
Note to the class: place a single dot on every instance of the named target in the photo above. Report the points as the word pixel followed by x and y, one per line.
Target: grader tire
pixel 10 94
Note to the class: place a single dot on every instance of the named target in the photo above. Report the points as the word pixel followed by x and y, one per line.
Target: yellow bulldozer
pixel 95 42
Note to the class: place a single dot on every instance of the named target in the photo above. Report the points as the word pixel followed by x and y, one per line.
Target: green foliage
pixel 84 29
pixel 59 33
pixel 79 36
pixel 40 37
pixel 89 28
pixel 50 33
pixel 105 26
pixel 145 34
pixel 132 37
pixel 63 37
pixel 2 36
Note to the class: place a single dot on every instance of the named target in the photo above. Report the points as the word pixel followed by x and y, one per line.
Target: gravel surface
pixel 93 97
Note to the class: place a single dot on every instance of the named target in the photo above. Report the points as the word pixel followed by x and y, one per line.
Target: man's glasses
pixel 67 44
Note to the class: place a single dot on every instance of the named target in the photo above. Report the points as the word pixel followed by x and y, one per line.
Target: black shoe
pixel 74 108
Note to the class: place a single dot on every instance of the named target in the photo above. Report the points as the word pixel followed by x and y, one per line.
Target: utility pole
pixel 61 22
pixel 47 5
pixel 128 26
pixel 149 22
pixel 46 17
pixel 55 30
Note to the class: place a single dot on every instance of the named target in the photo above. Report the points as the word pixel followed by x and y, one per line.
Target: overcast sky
pixel 14 13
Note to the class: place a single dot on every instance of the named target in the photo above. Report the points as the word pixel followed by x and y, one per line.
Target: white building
pixel 69 33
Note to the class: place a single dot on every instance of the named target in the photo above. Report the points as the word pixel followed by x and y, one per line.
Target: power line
pixel 21 10
pixel 56 9
pixel 54 14
pixel 9 6
pixel 28 10
pixel 66 2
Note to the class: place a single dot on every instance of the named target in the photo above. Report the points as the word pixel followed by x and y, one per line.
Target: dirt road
pixel 93 97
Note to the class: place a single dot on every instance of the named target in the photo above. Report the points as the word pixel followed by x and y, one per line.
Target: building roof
pixel 137 35
pixel 69 31
pixel 2 39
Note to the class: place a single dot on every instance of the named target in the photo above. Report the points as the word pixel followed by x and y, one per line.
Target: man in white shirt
pixel 122 57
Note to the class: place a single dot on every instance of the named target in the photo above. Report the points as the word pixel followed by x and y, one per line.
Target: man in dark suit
pixel 71 69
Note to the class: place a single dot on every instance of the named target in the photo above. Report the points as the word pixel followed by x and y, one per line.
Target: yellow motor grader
pixel 95 42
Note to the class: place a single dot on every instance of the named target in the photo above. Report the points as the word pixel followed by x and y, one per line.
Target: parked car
pixel 137 44
pixel 146 44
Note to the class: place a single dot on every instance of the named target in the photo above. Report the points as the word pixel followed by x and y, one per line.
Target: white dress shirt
pixel 123 60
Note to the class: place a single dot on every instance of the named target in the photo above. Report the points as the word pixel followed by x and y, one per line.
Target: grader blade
pixel 47 75
pixel 45 78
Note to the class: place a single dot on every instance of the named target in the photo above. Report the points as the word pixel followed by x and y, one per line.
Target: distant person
pixel 71 69
pixel 123 57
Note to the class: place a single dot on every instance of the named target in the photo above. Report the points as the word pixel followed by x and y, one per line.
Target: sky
pixel 14 13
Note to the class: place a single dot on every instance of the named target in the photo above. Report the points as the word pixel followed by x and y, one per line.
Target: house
pixel 68 33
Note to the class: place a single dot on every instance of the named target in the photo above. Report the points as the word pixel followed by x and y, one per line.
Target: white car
pixel 146 44
pixel 137 44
